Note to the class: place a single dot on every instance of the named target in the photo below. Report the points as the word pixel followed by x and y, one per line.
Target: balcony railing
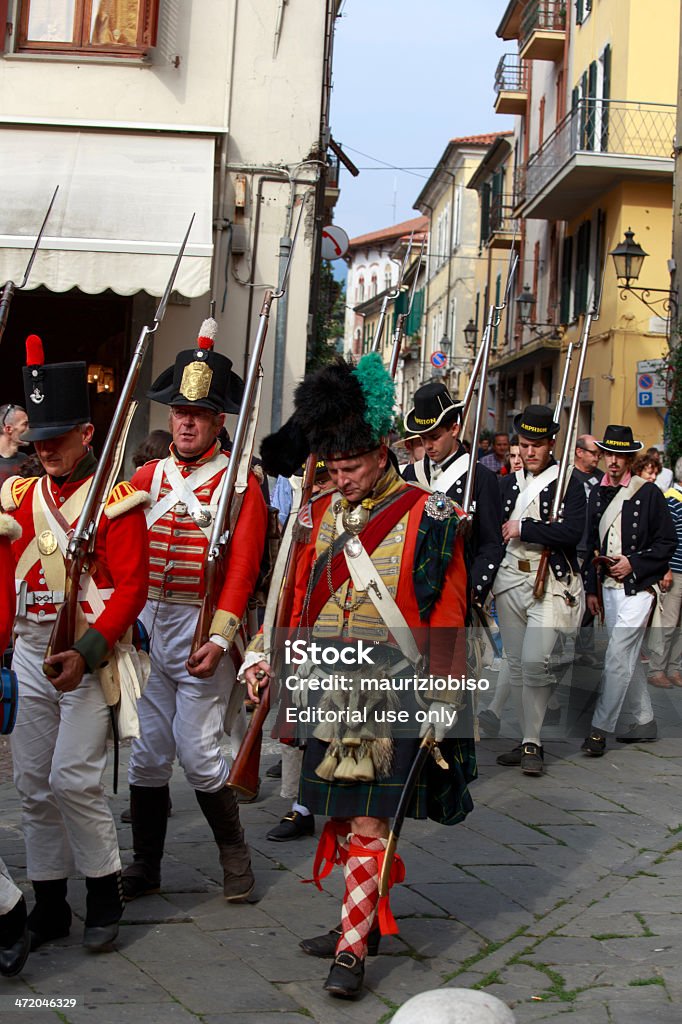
pixel 501 220
pixel 511 74
pixel 542 16
pixel 598 126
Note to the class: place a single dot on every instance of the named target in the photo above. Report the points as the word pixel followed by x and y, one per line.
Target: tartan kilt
pixel 440 795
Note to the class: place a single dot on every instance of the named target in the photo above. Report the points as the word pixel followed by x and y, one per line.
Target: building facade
pixel 145 113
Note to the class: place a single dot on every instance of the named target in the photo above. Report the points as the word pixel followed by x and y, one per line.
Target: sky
pixel 408 75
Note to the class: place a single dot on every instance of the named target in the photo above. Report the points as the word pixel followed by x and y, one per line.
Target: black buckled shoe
pixel 324 946
pixel 292 826
pixel 595 743
pixel 15 940
pixel 532 759
pixel 512 758
pixel 346 976
pixel 274 771
pixel 647 733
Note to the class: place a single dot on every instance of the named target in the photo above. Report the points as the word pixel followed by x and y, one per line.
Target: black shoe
pixel 647 733
pixel 274 771
pixel 595 743
pixel 222 813
pixel 140 880
pixel 489 723
pixel 150 807
pixel 15 940
pixel 50 918
pixel 104 909
pixel 242 798
pixel 346 976
pixel 532 759
pixel 292 826
pixel 511 758
pixel 324 946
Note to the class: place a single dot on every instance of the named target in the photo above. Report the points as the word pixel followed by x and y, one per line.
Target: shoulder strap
pixel 615 506
pixel 420 473
pixel 456 470
pixel 533 488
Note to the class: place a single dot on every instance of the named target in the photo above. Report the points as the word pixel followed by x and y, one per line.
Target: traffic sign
pixel 651 384
pixel 439 360
pixel 334 243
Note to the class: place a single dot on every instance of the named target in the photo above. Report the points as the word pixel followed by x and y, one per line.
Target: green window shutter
pixel 606 93
pixel 582 267
pixel 566 264
pixel 583 111
pixel 413 322
pixel 591 104
pixel 485 213
pixel 579 11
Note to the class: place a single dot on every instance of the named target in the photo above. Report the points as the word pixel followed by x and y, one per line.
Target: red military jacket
pixel 394 557
pixel 118 566
pixel 178 546
pixel 9 531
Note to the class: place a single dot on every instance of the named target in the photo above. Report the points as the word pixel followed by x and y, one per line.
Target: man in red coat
pixel 382 574
pixel 184 706
pixel 59 744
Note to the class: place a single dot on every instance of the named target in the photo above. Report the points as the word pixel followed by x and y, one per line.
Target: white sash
pixel 454 472
pixel 533 488
pixel 615 506
pixel 367 579
pixel 183 489
pixel 420 473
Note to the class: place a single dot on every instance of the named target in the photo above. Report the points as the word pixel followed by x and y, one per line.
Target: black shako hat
pixel 200 377
pixel 536 422
pixel 432 404
pixel 56 394
pixel 619 440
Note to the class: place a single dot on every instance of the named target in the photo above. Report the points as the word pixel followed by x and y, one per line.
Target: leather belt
pixel 525 565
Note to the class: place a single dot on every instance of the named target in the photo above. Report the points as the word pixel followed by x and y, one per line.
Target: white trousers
pixel 180 715
pixel 528 636
pixel 59 748
pixel 10 894
pixel 665 641
pixel 623 684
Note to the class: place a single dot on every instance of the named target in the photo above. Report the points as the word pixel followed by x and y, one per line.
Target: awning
pixel 124 203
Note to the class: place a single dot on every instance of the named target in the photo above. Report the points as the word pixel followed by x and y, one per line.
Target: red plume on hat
pixel 207 333
pixel 34 351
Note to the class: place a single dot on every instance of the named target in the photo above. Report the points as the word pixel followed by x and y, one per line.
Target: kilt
pixel 440 795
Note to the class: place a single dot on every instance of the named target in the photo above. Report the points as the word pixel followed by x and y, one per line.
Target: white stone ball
pixel 454 1006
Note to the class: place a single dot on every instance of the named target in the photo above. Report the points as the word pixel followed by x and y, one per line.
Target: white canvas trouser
pixel 623 684
pixel 10 894
pixel 665 641
pixel 59 748
pixel 179 714
pixel 528 636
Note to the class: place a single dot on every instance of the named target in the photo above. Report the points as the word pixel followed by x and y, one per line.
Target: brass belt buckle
pixel 524 565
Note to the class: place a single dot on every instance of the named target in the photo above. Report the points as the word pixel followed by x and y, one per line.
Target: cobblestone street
pixel 561 895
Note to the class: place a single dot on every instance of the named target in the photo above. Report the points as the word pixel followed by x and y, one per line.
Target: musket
pixel 82 540
pixel 10 287
pixel 566 460
pixel 402 317
pixel 393 293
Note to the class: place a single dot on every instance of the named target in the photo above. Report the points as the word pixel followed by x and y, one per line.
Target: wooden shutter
pixel 606 94
pixel 566 263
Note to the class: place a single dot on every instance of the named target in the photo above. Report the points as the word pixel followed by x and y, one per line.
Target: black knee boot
pixel 149 818
pixel 222 813
pixel 15 941
pixel 51 916
pixel 103 911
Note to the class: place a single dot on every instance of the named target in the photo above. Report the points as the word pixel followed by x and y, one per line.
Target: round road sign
pixel 334 243
pixel 439 359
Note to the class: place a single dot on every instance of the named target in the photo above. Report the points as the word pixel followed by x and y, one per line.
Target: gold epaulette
pixel 14 491
pixel 124 497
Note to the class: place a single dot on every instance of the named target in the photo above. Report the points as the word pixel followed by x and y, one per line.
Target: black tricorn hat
pixel 200 377
pixel 619 440
pixel 56 394
pixel 433 403
pixel 536 421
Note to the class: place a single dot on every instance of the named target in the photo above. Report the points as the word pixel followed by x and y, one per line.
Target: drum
pixel 9 700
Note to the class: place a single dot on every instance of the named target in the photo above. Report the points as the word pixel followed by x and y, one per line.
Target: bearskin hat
pixel 341 410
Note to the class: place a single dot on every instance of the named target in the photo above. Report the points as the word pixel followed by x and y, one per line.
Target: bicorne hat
pixel 200 377
pixel 340 411
pixel 536 422
pixel 433 403
pixel 619 440
pixel 56 394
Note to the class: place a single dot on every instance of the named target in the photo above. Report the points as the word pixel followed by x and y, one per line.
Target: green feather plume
pixel 378 390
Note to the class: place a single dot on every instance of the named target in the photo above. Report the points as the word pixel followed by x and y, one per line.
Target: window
pixel 115 27
pixel 387 276
pixel 360 292
pixel 457 218
pixel 374 286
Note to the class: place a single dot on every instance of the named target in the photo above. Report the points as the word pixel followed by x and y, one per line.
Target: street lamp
pixel 525 303
pixel 470 335
pixel 628 258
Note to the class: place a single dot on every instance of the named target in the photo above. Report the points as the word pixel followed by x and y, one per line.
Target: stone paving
pixel 561 895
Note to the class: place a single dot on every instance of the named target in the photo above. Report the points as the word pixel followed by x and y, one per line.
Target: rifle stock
pixel 541 575
pixel 64 628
